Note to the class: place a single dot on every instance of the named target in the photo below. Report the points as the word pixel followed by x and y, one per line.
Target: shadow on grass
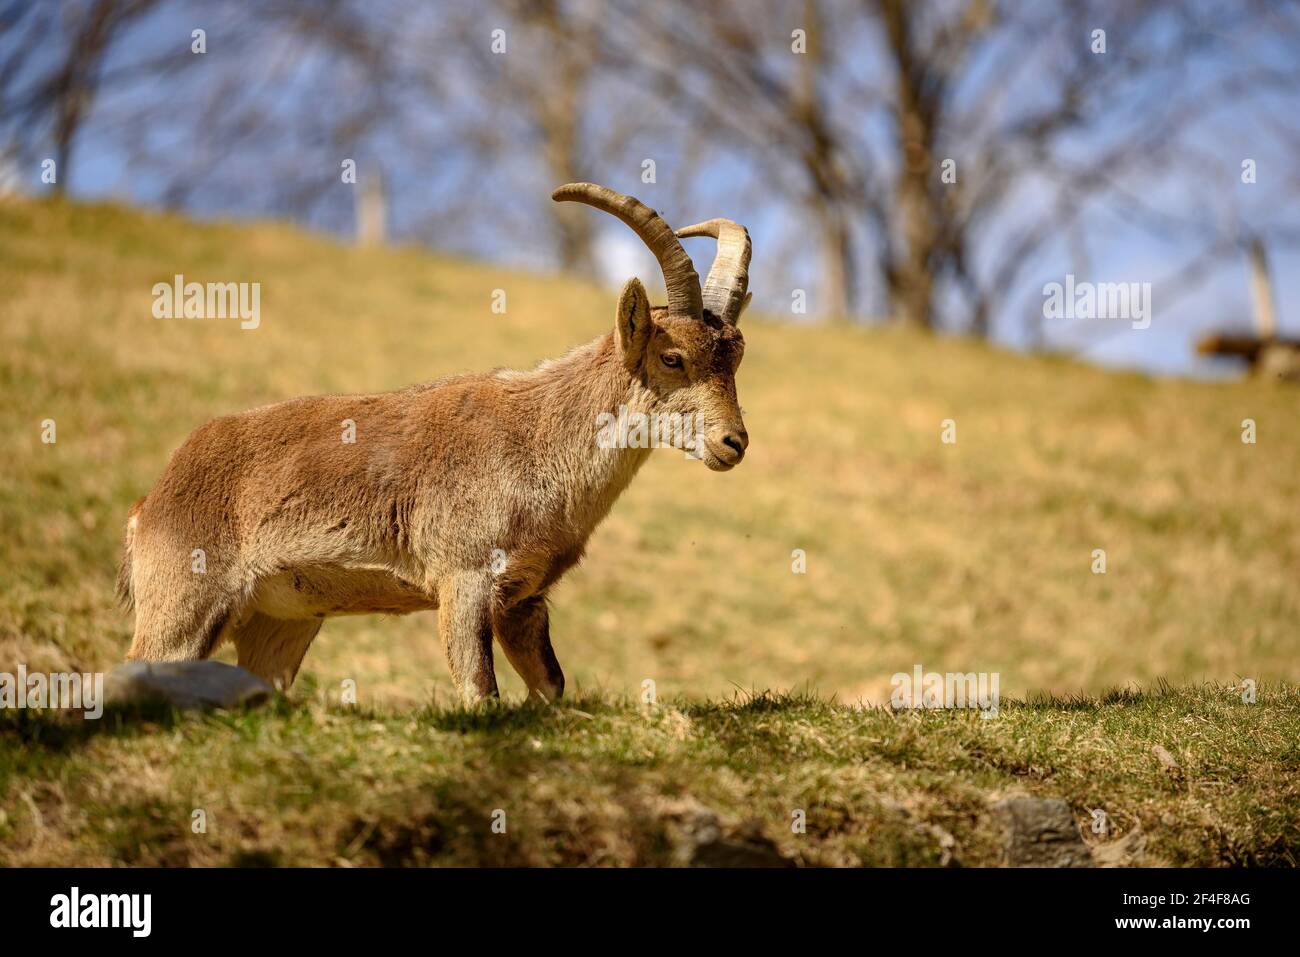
pixel 496 715
pixel 58 732
pixel 754 702
pixel 1162 692
pixel 54 731
pixel 500 716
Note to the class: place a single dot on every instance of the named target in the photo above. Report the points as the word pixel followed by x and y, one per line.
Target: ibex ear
pixel 632 324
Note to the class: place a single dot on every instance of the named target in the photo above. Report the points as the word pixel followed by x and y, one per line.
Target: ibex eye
pixel 672 360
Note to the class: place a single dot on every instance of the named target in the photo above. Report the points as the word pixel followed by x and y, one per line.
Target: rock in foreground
pixel 185 685
pixel 1040 832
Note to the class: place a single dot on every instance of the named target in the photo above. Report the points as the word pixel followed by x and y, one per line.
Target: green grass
pixel 602 780
pixel 967 557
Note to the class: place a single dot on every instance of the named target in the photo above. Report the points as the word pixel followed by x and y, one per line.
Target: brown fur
pixel 297 525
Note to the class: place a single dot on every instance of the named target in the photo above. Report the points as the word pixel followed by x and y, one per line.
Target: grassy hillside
pixel 974 556
pixel 602 781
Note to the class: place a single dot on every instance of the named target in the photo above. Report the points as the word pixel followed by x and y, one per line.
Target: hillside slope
pixel 968 557
pixel 973 556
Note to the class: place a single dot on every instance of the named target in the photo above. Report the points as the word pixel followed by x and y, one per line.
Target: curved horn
pixel 725 289
pixel 680 278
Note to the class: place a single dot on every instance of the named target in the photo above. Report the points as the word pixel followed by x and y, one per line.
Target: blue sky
pixel 1112 241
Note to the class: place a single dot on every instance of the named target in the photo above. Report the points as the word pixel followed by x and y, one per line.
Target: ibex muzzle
pixel 471 495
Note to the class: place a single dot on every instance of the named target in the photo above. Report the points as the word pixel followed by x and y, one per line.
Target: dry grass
pixel 605 781
pixel 967 557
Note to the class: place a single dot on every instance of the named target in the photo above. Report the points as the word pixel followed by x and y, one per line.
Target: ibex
pixel 471 495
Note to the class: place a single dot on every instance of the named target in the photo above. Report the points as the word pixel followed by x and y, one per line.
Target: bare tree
pixel 911 131
pixel 539 85
pixel 63 91
pixel 924 158
pixel 744 78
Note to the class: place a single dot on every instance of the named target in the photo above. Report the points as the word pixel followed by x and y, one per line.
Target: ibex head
pixel 686 353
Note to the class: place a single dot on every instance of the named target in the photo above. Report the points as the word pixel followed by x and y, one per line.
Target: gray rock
pixel 1040 832
pixel 184 685
pixel 699 840
pixel 751 850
